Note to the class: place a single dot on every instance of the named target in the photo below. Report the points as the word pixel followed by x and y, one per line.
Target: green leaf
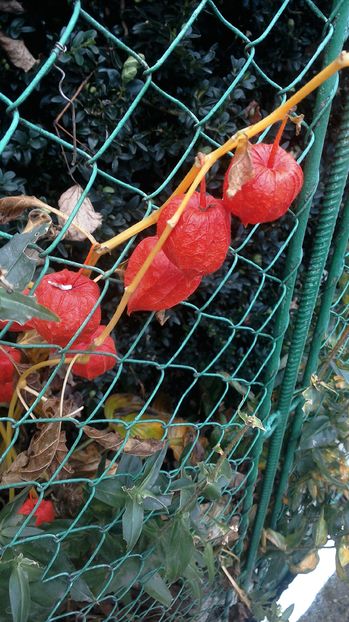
pixel 287 613
pixel 251 421
pixel 125 576
pixel 276 538
pixel 110 492
pixel 194 579
pixel 132 522
pixel 130 69
pixel 321 531
pixel 17 264
pixel 157 589
pixel 177 547
pixel 80 591
pixel 19 594
pixel 152 468
pixel 18 307
pixel 209 561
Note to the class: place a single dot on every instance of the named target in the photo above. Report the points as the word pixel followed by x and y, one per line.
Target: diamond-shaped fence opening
pixel 202 378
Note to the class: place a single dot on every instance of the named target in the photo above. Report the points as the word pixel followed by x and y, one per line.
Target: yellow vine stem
pixel 21 384
pixel 277 115
pixel 97 250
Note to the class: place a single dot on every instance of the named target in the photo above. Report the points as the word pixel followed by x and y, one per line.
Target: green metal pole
pixel 333 197
pixel 311 172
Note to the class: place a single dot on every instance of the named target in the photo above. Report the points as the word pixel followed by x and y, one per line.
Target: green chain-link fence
pixel 127 585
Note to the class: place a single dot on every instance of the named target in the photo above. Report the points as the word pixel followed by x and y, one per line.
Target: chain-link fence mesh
pixel 108 582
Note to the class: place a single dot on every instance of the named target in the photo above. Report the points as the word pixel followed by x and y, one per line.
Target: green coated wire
pixel 237 501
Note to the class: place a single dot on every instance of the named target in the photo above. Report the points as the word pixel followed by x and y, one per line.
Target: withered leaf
pixel 87 218
pixel 297 120
pixel 252 112
pixel 46 451
pixel 307 564
pixel 113 441
pixel 36 218
pixel 12 207
pixel 35 354
pixel 162 317
pixel 241 170
pixel 85 462
pixel 11 6
pixel 17 52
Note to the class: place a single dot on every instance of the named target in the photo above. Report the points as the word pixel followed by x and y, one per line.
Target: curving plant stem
pixel 196 175
pixel 21 384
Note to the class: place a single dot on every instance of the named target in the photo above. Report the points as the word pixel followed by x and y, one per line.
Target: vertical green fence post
pixel 333 195
pixel 311 172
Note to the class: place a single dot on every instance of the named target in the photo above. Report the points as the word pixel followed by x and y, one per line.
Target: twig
pixel 241 594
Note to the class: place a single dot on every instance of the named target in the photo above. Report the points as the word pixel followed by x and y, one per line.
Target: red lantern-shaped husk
pixel 269 194
pixel 8 359
pixel 163 285
pixel 99 362
pixel 200 241
pixel 71 296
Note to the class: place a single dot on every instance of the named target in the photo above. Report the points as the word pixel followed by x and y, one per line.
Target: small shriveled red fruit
pixel 268 195
pixel 163 285
pixel 200 240
pixel 71 296
pixel 99 362
pixel 44 513
pixel 8 359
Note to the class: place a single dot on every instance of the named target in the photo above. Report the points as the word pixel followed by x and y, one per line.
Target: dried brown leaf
pixel 241 170
pixel 87 218
pixel 11 6
pixel 307 564
pixel 36 218
pixel 12 207
pixel 68 500
pixel 113 441
pixel 85 462
pixel 252 112
pixel 162 317
pixel 46 452
pixel 297 120
pixel 17 52
pixel 35 354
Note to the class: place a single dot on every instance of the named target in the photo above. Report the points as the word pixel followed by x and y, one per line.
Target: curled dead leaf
pixel 35 354
pixel 242 169
pixel 11 6
pixel 17 52
pixel 252 112
pixel 12 207
pixel 47 450
pixel 45 454
pixel 308 563
pixel 87 218
pixel 85 462
pixel 113 441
